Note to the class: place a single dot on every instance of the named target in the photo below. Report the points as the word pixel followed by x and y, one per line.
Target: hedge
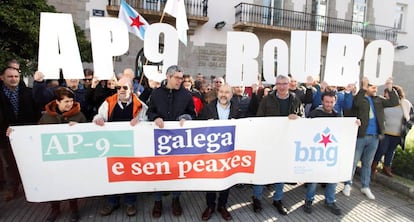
pixel 403 163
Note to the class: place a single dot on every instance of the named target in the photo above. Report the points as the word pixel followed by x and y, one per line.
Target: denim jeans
pixel 365 150
pixel 278 195
pixel 387 147
pixel 329 192
pixel 129 199
pixel 158 195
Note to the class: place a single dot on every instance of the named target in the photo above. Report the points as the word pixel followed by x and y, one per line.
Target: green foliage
pixel 19 33
pixel 403 162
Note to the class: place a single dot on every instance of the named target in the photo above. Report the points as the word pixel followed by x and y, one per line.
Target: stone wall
pixel 75 7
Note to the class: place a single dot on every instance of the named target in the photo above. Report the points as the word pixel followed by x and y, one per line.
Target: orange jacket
pixel 113 100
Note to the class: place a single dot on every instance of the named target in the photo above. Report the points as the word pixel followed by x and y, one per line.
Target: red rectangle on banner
pixel 180 166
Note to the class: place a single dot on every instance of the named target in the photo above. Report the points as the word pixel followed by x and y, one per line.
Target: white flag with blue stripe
pixel 135 22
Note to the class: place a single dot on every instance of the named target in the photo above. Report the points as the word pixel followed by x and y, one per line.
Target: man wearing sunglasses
pixel 122 106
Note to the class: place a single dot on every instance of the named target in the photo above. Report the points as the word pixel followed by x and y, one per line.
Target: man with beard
pixel 222 108
pixel 369 108
pixel 122 106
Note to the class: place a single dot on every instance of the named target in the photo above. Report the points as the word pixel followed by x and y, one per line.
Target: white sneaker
pixel 347 190
pixel 368 193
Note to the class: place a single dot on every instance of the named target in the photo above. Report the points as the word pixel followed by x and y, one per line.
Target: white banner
pixel 59 162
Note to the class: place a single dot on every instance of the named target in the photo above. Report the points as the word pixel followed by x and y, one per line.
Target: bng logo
pixel 323 149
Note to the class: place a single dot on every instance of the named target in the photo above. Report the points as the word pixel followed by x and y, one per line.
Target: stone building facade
pixel 268 19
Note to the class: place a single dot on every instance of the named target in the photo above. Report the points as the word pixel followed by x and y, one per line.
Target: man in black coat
pixel 221 108
pixel 170 102
pixel 17 107
pixel 280 102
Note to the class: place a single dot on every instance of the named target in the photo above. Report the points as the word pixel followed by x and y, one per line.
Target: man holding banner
pixel 122 106
pixel 327 110
pixel 221 108
pixel 170 102
pixel 17 107
pixel 280 102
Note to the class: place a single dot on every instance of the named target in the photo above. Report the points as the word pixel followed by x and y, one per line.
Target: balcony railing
pixel 152 11
pixel 286 19
pixel 196 8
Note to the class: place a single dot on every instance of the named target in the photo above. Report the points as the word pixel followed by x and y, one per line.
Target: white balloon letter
pixel 58 48
pixel 342 59
pixel 109 37
pixel 169 56
pixel 379 52
pixel 241 64
pixel 305 54
pixel 270 57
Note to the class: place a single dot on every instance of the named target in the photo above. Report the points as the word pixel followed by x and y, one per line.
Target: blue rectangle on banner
pixel 218 139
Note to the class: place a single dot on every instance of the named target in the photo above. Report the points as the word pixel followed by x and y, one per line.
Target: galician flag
pixel 135 22
pixel 176 8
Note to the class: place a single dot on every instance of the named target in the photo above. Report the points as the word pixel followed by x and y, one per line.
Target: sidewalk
pixel 388 206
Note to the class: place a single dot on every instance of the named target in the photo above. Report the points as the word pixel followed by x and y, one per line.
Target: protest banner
pixel 59 161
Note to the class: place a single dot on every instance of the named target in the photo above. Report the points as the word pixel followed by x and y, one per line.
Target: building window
pixel 399 18
pixel 359 11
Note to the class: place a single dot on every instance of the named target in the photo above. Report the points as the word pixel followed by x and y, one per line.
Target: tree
pixel 19 33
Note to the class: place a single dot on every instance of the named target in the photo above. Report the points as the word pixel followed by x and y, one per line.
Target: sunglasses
pixel 87 80
pixel 123 87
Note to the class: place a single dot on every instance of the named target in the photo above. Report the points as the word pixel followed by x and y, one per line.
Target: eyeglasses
pixel 282 83
pixel 178 78
pixel 18 70
pixel 87 80
pixel 123 87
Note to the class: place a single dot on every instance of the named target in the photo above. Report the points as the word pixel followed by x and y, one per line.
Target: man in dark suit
pixel 221 108
pixel 17 107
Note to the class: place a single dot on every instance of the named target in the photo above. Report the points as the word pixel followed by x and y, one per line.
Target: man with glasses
pixel 280 102
pixel 17 107
pixel 170 102
pixel 87 81
pixel 122 106
pixel 218 81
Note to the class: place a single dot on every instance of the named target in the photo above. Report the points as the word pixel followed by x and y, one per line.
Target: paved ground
pixel 388 206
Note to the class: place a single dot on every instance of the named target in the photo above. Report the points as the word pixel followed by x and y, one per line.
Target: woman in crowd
pixel 188 84
pixel 63 110
pixel 393 117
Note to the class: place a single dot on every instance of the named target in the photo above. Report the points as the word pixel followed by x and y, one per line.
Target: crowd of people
pixel 181 98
